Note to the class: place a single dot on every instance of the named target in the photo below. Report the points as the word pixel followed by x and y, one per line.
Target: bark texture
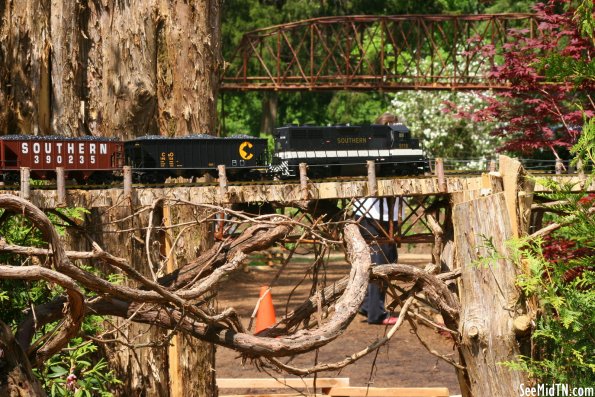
pixel 67 68
pixel 122 67
pixel 24 66
pixel 489 298
pixel 109 68
pixel 189 62
pixel 16 375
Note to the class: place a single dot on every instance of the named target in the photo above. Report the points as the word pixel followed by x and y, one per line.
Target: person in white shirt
pixel 374 214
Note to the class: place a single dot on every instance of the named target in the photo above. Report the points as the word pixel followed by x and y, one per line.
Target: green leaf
pixel 57 371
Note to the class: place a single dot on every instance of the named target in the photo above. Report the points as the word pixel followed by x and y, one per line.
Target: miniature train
pixel 344 150
pixel 329 151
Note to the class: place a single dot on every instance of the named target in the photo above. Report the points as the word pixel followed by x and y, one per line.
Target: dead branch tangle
pixel 177 300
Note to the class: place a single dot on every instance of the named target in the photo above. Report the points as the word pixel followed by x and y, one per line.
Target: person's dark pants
pixel 373 305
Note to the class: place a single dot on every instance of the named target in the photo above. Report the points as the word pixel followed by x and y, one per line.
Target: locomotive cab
pixel 400 136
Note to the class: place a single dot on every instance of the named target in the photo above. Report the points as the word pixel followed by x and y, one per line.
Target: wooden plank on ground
pixel 389 392
pixel 271 383
pixel 273 395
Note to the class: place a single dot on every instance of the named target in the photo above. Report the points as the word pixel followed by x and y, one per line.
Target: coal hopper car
pixel 83 159
pixel 155 158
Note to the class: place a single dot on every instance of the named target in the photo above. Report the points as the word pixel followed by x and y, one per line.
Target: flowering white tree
pixel 439 118
pixel 443 133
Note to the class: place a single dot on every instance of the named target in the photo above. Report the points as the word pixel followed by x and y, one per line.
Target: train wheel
pixel 100 178
pixel 145 178
pixel 254 175
pixel 12 178
pixel 152 177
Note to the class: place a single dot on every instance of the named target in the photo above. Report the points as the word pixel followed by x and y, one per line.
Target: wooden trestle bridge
pixel 430 52
pixel 419 195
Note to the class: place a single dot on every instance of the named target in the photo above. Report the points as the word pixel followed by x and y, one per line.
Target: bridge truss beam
pixel 431 52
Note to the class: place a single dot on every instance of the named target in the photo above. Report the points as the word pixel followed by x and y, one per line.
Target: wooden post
pixel 176 387
pixel 510 170
pixel 372 183
pixel 492 165
pixel 60 186
pixel 518 191
pixel 222 183
pixel 25 183
pixel 400 208
pixel 559 166
pixel 304 180
pixel 439 170
pixel 438 233
pixel 127 170
pixel 580 168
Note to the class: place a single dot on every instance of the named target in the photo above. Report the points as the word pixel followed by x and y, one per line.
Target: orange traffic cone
pixel 265 316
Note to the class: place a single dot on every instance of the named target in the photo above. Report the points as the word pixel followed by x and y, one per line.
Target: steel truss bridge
pixel 430 52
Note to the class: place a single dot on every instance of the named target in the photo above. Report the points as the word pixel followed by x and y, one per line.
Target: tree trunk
pixel 121 60
pixel 16 375
pixel 123 69
pixel 67 67
pixel 270 102
pixel 189 62
pixel 24 67
pixel 152 68
pixel 143 370
pixel 110 68
pixel 188 356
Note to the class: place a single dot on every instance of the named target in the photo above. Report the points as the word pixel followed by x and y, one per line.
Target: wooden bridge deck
pixel 280 192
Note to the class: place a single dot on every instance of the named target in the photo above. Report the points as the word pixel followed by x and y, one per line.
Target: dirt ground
pixel 404 361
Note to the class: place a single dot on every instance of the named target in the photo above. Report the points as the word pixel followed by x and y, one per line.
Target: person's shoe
pixel 390 320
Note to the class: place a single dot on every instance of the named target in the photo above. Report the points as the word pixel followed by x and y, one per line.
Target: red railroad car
pixel 82 158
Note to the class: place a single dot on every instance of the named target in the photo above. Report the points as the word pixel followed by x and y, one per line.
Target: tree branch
pixel 74 314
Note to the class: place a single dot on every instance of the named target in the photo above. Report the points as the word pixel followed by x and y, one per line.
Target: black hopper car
pixel 343 150
pixel 154 158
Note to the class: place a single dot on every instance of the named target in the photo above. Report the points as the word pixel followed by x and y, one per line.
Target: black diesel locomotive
pixel 334 150
pixel 344 150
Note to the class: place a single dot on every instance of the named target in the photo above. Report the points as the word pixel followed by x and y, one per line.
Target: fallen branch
pixel 353 357
pixel 74 313
pixel 555 226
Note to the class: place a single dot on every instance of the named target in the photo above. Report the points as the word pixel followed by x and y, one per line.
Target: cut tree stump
pixel 488 294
